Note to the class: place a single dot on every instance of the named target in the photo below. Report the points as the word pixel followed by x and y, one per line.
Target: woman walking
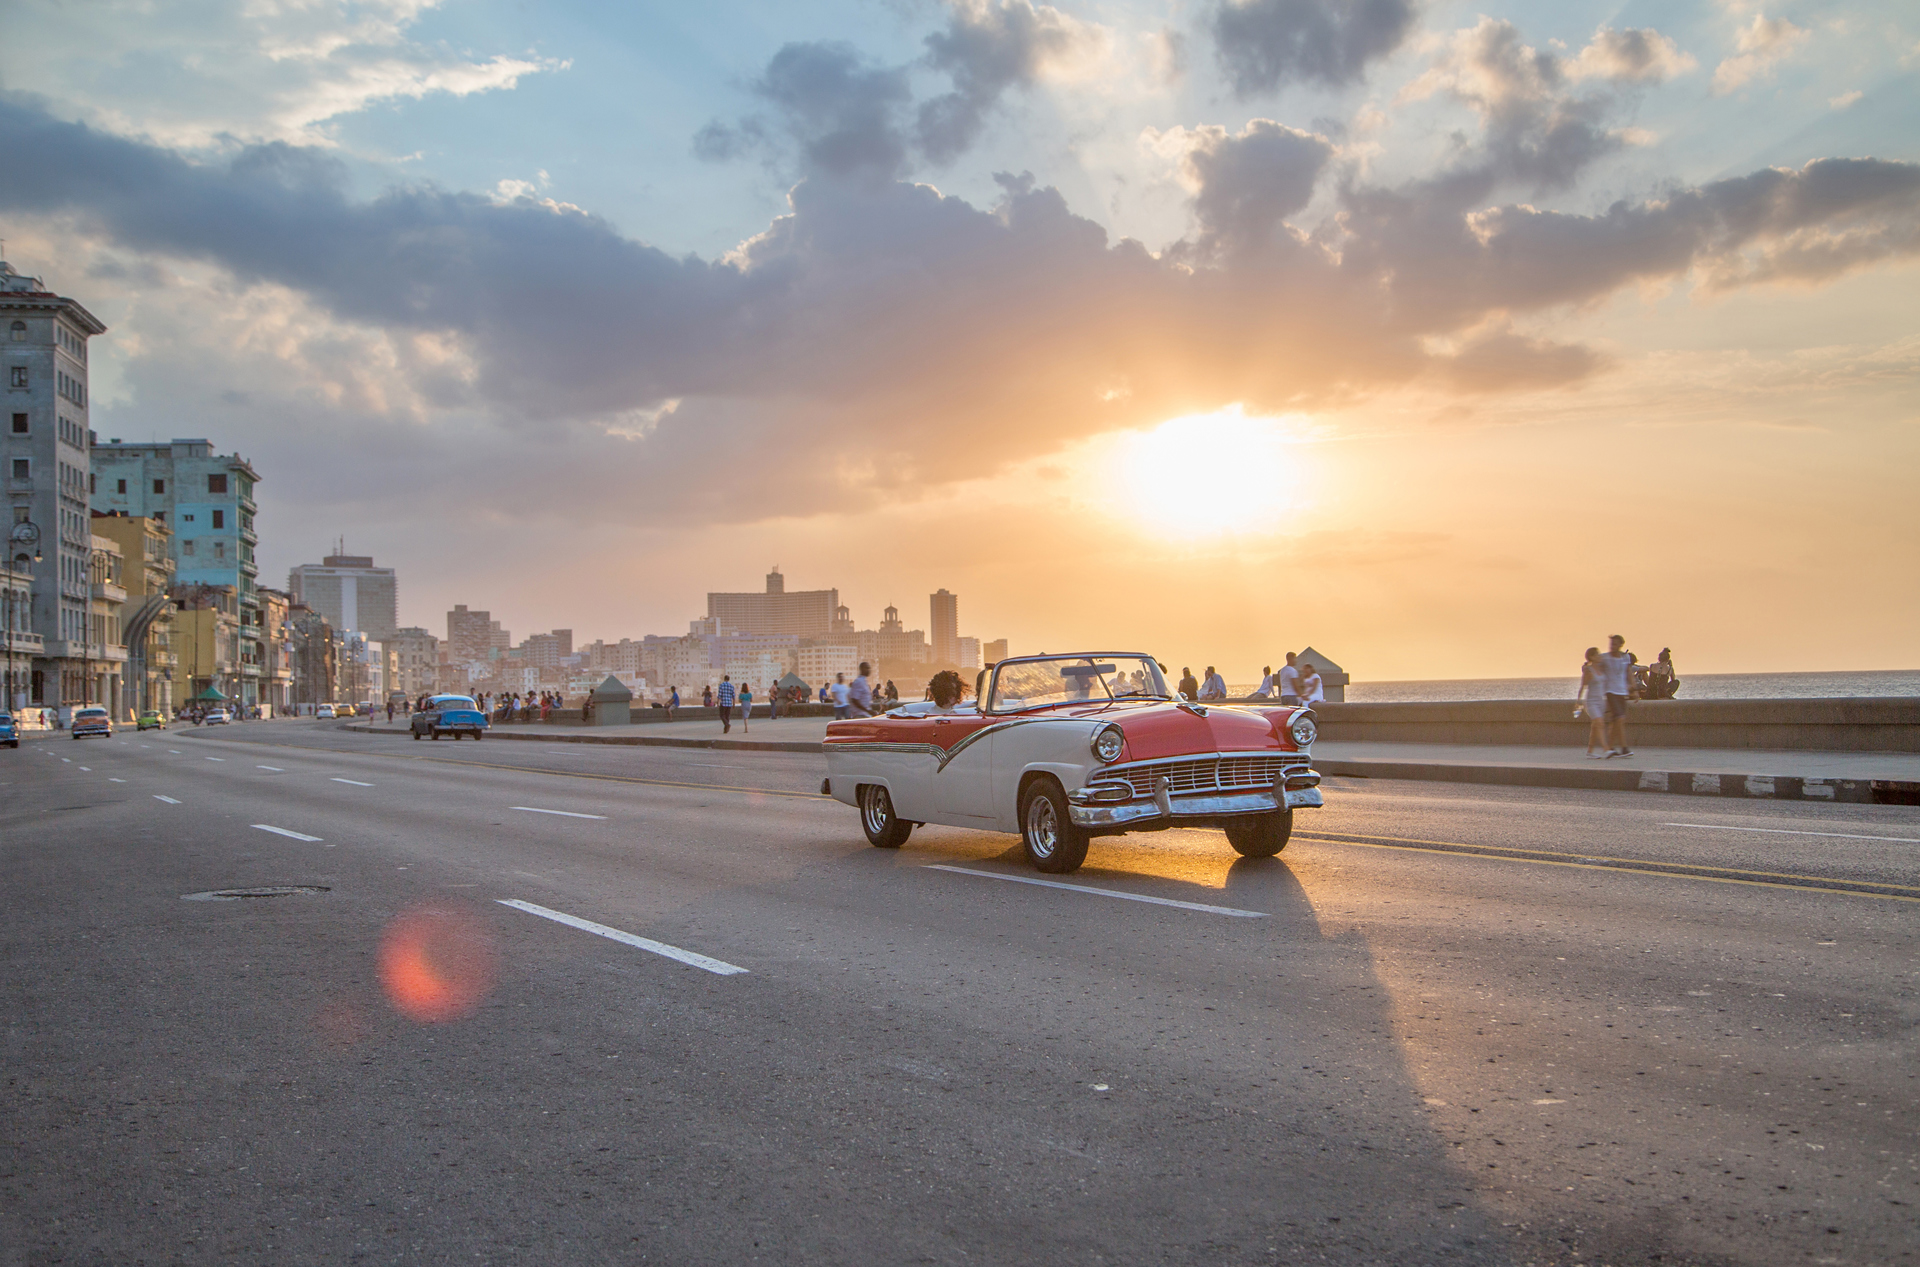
pixel 746 706
pixel 1593 702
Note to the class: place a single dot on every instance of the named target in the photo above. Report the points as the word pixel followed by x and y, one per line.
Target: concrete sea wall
pixel 1828 725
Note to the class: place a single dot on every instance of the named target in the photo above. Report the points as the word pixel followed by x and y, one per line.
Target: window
pixel 219 518
pixel 19 377
pixel 186 548
pixel 19 332
pixel 93 483
pixel 159 487
pixel 23 468
pixel 219 549
pixel 19 424
pixel 216 483
pixel 120 487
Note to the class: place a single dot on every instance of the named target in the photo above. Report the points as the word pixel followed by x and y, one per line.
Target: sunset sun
pixel 1213 475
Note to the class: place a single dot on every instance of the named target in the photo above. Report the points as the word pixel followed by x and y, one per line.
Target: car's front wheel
pixel 1261 836
pixel 1054 844
pixel 885 829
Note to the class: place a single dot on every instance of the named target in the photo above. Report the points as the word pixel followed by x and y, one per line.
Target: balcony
pixel 22 644
pixel 111 591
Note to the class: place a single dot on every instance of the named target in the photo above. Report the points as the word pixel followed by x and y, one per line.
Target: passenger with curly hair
pixel 946 690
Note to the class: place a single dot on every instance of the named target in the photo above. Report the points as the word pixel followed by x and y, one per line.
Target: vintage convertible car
pixel 1063 748
pixel 454 715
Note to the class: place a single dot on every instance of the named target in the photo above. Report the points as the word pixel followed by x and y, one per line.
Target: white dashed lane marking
pixel 216 758
pixel 1082 888
pixel 111 779
pixel 355 782
pixel 281 831
pixel 276 769
pixel 564 813
pixel 719 967
pixel 168 799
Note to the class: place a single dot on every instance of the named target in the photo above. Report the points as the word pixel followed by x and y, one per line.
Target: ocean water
pixel 1692 686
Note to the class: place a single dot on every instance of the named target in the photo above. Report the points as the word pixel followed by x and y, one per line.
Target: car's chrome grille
pixel 1207 774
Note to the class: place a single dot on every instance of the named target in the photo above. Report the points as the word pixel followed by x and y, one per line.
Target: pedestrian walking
pixel 840 695
pixel 860 694
pixel 1617 665
pixel 1215 687
pixel 1290 680
pixel 726 697
pixel 1593 704
pixel 389 710
pixel 673 701
pixel 1189 685
pixel 746 706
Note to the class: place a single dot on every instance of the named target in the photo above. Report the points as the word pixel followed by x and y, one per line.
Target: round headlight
pixel 1108 744
pixel 1303 731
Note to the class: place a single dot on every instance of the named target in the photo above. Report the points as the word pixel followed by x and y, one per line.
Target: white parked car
pixel 218 717
pixel 1065 748
pixel 325 710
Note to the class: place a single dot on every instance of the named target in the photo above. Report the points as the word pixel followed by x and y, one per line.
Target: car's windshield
pixel 454 701
pixel 1075 680
pixel 93 712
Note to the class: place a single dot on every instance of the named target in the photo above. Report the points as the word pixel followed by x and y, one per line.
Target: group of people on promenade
pixel 1297 682
pixel 1607 681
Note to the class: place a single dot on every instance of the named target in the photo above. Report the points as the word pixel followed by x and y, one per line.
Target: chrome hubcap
pixel 1043 829
pixel 879 810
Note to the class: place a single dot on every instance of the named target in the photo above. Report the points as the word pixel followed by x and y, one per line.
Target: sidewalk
pixel 1736 772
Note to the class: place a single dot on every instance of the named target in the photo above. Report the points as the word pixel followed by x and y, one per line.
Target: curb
pixel 1779 787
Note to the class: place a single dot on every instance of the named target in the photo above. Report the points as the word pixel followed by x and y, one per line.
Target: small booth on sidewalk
pixel 612 704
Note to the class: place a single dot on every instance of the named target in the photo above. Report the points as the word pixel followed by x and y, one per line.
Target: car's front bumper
pixel 1085 811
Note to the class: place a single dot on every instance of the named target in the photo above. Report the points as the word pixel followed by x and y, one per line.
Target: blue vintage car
pixel 454 715
pixel 9 731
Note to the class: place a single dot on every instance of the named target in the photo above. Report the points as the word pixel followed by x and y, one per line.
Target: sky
pixel 1448 339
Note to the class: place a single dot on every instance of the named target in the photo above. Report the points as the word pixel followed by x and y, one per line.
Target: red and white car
pixel 1063 748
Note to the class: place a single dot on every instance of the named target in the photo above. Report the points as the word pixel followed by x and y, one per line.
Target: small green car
pixel 151 720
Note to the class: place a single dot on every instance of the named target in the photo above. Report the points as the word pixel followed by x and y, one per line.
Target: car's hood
pixel 1158 730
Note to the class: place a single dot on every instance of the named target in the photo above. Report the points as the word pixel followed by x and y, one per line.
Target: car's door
pixel 963 783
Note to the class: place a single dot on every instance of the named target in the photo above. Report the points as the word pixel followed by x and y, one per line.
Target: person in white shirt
pixel 860 694
pixel 1215 687
pixel 1616 666
pixel 1311 691
pixel 1289 681
pixel 840 696
pixel 1266 682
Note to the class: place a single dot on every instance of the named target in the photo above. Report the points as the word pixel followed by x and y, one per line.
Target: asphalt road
pixel 1471 1024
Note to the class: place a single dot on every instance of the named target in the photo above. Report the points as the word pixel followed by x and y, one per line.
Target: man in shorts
pixel 1617 668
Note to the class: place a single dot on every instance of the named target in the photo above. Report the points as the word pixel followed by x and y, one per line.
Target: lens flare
pixel 436 963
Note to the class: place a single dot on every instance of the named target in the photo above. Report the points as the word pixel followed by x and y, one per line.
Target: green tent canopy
pixel 210 695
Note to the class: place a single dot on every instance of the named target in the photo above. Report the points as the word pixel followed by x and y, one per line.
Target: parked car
pixel 150 720
pixel 91 720
pixel 217 717
pixel 9 731
pixel 454 715
pixel 1065 748
pixel 325 710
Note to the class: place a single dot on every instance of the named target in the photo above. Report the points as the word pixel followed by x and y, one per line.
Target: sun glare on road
pixel 1210 475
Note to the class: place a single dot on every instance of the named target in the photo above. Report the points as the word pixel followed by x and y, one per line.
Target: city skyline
pixel 1453 342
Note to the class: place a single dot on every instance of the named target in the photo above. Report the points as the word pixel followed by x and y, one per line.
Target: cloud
pixel 988 47
pixel 842 110
pixel 1845 100
pixel 245 70
pixel 1248 183
pixel 1635 55
pixel 848 116
pixel 1537 129
pixel 881 336
pixel 1264 45
pixel 1762 45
